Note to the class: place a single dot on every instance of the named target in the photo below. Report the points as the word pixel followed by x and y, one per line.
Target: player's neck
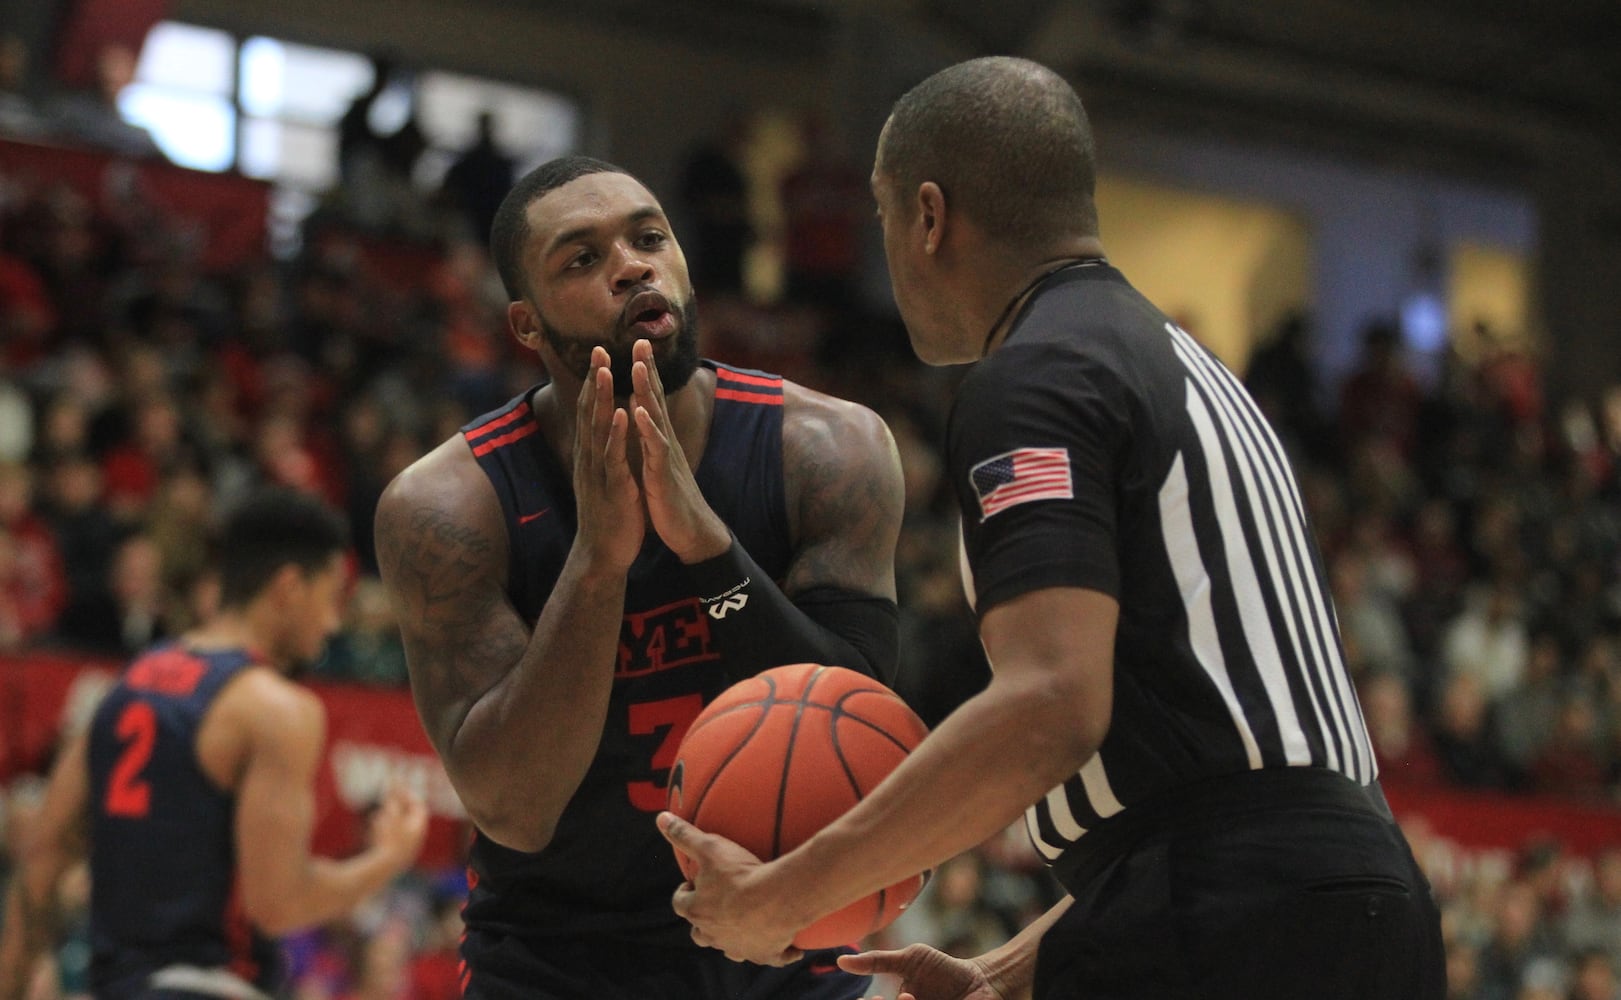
pixel 230 628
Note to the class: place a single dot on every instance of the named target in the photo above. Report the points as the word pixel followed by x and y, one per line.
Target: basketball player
pixel 1170 708
pixel 579 572
pixel 194 786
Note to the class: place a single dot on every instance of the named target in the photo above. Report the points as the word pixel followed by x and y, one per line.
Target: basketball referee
pixel 1170 708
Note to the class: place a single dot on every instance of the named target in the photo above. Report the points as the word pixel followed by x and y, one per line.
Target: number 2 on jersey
pixel 674 715
pixel 128 794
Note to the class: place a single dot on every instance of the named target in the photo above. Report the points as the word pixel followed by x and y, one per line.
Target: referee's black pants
pixel 1258 893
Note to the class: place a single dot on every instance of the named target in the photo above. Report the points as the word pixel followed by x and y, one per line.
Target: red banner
pixel 373 737
pixel 232 212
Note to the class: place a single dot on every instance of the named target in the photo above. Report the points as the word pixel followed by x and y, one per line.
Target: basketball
pixel 779 756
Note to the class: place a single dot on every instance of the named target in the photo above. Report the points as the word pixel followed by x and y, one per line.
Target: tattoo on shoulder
pixel 434 559
pixel 833 493
pixel 460 634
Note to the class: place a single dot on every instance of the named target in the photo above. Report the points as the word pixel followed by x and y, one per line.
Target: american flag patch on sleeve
pixel 1020 476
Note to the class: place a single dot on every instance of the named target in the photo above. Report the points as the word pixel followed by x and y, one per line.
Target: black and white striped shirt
pixel 1101 447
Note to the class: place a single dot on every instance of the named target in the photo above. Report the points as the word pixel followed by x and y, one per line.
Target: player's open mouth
pixel 650 316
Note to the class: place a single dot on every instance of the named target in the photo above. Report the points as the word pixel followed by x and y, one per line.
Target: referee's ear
pixel 932 216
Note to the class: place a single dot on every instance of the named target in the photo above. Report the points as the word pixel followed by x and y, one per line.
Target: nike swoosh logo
pixel 526 518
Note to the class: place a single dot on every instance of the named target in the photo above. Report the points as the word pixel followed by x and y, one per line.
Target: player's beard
pixel 675 369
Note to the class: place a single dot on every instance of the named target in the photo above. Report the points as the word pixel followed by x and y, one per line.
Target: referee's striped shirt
pixel 1101 447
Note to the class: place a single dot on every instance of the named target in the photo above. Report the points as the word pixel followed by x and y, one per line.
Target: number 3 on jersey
pixel 128 793
pixel 674 716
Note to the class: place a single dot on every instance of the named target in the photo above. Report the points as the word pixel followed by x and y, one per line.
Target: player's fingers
pixel 681 902
pixel 655 446
pixel 675 830
pixel 656 383
pixel 614 449
pixel 870 963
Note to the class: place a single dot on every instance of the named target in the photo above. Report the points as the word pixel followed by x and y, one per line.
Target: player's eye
pixel 585 258
pixel 652 240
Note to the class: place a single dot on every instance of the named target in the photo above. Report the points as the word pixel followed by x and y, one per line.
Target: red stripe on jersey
pixel 499 422
pixel 518 434
pixel 239 936
pixel 748 397
pixel 730 376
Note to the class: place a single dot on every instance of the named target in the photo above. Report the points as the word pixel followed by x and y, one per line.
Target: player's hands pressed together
pixel 723 901
pixel 678 510
pixel 608 503
pixel 926 974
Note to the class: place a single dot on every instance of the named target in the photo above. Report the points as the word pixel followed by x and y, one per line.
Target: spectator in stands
pixel 1520 937
pixel 1381 398
pixel 1488 640
pixel 86 539
pixel 477 181
pixel 1401 744
pixel 33 581
pixel 1465 739
pixel 20 117
pixel 1370 621
pixel 1595 976
pixel 64 428
pixel 91 115
pixel 952 913
pixel 825 204
pixel 1593 919
pixel 1463 971
pixel 1527 717
pixel 1571 762
pixel 130 608
pixel 1283 379
pixel 28 317
pixel 715 195
pixel 133 470
pixel 368 650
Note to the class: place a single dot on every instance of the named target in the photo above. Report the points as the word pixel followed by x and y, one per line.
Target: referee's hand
pixel 926 974
pixel 721 901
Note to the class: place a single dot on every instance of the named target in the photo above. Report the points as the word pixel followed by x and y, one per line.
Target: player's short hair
pixel 1007 141
pixel 510 229
pixel 271 528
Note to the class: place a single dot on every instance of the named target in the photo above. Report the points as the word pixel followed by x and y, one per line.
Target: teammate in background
pixel 1170 707
pixel 192 787
pixel 579 572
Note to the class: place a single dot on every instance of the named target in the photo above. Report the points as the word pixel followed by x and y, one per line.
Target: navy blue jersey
pixel 163 847
pixel 607 872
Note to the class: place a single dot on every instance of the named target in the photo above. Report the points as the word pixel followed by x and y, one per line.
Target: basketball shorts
pixel 507 968
pixel 1252 900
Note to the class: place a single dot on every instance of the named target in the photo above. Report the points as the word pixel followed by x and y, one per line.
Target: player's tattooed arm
pixel 845 495
pixel 461 634
pixel 515 711
pixel 442 553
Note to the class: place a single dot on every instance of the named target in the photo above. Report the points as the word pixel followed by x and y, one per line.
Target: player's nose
pixel 631 267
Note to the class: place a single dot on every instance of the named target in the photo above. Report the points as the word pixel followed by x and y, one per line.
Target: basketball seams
pixel 745 754
pixel 788 757
pixel 759 723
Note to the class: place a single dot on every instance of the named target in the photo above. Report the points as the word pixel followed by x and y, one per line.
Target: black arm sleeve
pixel 758 627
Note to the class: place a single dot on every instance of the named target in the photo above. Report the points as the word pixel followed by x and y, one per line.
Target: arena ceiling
pixel 1479 83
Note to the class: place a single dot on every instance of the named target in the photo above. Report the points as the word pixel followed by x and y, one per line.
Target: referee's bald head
pixel 1006 140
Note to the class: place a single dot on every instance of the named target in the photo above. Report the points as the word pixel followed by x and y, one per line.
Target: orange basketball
pixel 779 756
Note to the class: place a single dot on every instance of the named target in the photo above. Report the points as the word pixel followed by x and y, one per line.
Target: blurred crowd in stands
pixel 1471 527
